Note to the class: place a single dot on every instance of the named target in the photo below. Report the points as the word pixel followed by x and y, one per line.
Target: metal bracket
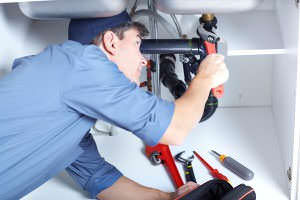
pixel 289 174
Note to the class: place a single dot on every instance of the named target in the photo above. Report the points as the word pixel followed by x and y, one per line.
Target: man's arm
pixel 190 106
pixel 127 189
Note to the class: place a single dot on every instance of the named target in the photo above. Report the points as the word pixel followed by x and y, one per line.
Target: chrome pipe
pixel 154 34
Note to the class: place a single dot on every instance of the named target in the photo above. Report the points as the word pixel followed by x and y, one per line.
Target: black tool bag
pixel 220 190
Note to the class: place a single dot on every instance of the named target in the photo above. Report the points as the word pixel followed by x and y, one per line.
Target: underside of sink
pixel 102 8
pixel 72 8
pixel 205 6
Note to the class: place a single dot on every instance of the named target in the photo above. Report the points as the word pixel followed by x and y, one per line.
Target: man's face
pixel 128 56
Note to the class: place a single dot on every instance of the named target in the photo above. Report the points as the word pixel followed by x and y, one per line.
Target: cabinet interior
pixel 254 124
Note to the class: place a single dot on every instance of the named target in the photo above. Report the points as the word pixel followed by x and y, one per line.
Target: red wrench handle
pixel 171 166
pixel 210 49
pixel 167 159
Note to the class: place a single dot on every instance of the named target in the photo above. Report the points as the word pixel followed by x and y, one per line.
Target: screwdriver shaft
pixel 216 153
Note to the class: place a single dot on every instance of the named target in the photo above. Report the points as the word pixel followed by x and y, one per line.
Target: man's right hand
pixel 214 69
pixel 189 107
pixel 184 189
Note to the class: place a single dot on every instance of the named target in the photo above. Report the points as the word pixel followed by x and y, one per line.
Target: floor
pixel 246 134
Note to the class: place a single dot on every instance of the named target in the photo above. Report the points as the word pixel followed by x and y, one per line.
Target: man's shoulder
pixel 65 54
pixel 89 61
pixel 70 47
pixel 89 53
pixel 75 47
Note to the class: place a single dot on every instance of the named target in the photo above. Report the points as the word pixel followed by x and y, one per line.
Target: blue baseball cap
pixel 85 30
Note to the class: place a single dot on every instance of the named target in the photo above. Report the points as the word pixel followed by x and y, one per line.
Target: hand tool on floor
pixel 161 154
pixel 187 165
pixel 235 166
pixel 214 172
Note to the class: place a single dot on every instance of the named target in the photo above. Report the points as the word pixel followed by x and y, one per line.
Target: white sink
pixel 72 8
pixel 205 6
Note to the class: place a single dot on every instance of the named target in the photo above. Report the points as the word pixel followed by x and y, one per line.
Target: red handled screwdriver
pixel 214 172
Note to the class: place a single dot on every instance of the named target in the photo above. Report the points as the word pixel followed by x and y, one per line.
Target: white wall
pixel 12 28
pixel 267 5
pixel 250 81
pixel 284 86
pixel 21 36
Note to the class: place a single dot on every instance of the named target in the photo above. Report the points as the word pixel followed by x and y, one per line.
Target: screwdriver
pixel 235 166
pixel 214 172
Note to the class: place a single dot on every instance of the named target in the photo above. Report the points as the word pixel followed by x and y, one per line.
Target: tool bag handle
pixel 219 190
pixel 241 192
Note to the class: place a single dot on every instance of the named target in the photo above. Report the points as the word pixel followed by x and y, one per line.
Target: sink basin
pixel 104 8
pixel 205 6
pixel 72 8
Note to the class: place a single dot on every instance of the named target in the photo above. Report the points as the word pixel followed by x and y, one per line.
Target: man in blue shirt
pixel 50 100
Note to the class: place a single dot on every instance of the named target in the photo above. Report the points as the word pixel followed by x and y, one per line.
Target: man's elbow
pixel 175 142
pixel 178 142
pixel 173 138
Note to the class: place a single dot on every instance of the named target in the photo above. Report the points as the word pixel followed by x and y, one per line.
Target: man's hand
pixel 186 188
pixel 189 107
pixel 214 69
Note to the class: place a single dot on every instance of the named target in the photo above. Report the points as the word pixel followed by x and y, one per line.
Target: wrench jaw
pixel 179 158
pixel 206 35
pixel 206 32
pixel 155 158
pixel 187 165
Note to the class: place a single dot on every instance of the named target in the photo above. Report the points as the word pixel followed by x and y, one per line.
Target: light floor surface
pixel 246 134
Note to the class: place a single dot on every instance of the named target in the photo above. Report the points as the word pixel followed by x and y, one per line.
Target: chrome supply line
pixel 154 35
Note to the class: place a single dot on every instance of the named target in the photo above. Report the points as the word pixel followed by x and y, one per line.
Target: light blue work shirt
pixel 48 103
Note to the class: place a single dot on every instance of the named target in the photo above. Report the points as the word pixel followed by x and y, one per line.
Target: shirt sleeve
pixel 98 89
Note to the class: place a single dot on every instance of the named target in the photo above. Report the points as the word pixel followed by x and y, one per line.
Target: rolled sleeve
pixel 102 179
pixel 99 90
pixel 158 122
pixel 90 170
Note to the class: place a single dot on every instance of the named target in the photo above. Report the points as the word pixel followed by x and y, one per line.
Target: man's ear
pixel 110 42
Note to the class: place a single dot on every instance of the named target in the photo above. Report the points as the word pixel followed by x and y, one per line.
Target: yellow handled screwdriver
pixel 235 166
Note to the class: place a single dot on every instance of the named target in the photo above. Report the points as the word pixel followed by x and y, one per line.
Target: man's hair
pixel 119 31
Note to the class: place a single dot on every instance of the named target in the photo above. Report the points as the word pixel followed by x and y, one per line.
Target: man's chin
pixel 137 82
